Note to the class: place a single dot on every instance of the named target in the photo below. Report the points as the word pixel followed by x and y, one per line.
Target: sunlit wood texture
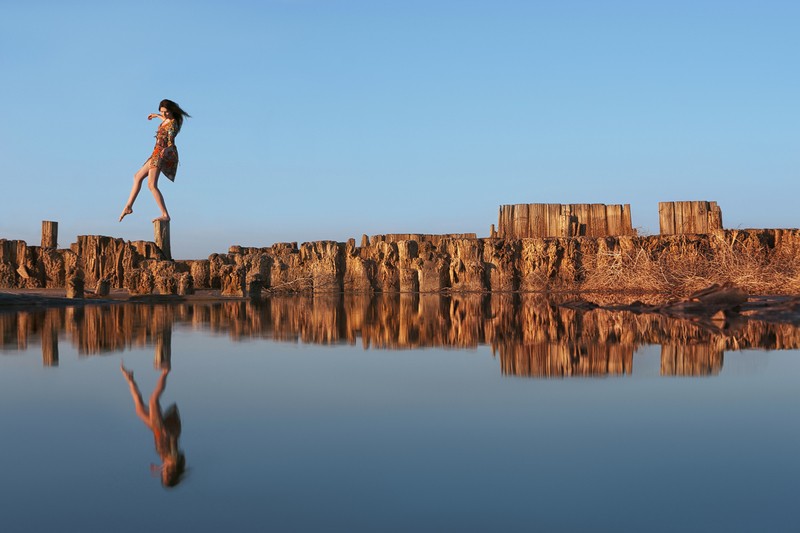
pixel 161 230
pixel 521 221
pixel 49 234
pixel 75 287
pixel 418 237
pixel 689 217
pixel 13 252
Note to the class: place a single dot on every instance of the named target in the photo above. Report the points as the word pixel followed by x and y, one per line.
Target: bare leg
pixel 141 411
pixel 155 407
pixel 152 183
pixel 138 178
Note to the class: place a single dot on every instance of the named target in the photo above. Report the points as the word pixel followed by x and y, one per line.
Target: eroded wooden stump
pixel 161 231
pixel 49 234
pixel 75 287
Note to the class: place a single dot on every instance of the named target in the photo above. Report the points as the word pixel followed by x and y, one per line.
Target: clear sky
pixel 326 119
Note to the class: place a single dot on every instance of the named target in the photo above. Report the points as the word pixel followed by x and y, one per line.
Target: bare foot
pixel 127 373
pixel 125 212
pixel 165 218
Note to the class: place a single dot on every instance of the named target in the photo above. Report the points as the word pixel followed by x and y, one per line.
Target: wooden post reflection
pixel 409 309
pixel 50 338
pixel 690 360
pixel 530 335
pixel 23 326
pixel 163 351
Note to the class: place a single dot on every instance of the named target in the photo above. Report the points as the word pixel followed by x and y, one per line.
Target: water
pixel 398 414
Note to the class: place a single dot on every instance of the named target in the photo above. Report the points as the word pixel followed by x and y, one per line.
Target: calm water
pixel 396 414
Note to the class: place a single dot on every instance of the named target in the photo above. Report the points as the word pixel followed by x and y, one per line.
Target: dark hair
pixel 176 112
pixel 173 476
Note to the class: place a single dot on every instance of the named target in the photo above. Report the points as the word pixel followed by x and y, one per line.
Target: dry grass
pixel 680 266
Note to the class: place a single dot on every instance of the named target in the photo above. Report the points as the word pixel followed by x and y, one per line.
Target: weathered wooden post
pixel 521 221
pixel 695 217
pixel 714 217
pixel 49 234
pixel 255 282
pixel 75 284
pixel 568 223
pixel 161 229
pixel 103 287
pixel 185 284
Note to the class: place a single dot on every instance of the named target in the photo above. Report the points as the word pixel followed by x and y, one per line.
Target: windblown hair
pixel 172 476
pixel 176 111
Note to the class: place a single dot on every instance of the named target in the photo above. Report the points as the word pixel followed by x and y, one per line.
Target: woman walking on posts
pixel 163 160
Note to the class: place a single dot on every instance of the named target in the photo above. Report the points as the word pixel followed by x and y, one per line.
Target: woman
pixel 164 158
pixel 166 428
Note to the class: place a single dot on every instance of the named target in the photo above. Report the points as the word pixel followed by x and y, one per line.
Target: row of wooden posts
pixel 160 229
pixel 521 221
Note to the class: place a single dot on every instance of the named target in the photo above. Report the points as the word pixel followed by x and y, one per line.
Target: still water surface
pixel 400 413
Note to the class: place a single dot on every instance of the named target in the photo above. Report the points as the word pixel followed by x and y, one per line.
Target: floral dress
pixel 165 154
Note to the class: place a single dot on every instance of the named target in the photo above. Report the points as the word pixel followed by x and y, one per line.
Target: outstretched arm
pixel 160 117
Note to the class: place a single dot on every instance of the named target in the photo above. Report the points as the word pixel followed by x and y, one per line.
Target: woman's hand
pixel 125 372
pixel 151 116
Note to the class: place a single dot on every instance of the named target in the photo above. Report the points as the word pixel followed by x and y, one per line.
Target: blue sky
pixel 325 119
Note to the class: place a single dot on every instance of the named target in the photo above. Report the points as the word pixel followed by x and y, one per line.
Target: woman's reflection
pixel 166 428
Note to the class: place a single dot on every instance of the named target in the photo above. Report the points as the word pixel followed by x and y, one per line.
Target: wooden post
pixel 161 229
pixel 565 229
pixel 49 234
pixel 521 221
pixel 666 218
pixel 75 287
pixel 695 217
pixel 103 287
pixel 185 284
pixel 714 217
pixel 255 282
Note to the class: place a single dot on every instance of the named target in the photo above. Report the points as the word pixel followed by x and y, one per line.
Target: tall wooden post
pixel 49 234
pixel 161 229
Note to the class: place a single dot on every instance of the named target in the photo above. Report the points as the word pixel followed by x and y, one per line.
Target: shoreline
pixel 719 307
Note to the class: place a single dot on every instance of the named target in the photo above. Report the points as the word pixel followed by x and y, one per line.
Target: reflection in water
pixel 690 360
pixel 165 425
pixel 530 335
